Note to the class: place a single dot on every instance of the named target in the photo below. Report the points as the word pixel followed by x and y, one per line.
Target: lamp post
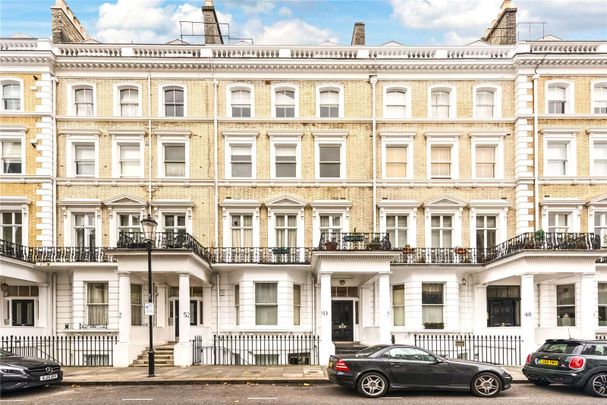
pixel 148 227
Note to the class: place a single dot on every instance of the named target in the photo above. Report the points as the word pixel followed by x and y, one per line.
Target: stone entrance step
pixel 342 348
pixel 163 357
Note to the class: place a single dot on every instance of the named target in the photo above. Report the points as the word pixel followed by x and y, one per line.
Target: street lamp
pixel 148 227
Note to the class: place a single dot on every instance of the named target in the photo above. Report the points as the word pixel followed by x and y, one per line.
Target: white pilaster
pixel 43 305
pixel 161 305
pixel 122 350
pixel 413 305
pixel 183 349
pixel 480 307
pixel 452 305
pixel 528 315
pixel 326 340
pixel 384 313
pixel 588 306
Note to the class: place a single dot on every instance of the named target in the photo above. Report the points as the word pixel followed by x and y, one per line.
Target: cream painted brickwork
pixel 582 86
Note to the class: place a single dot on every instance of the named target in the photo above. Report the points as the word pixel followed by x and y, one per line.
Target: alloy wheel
pixel 486 385
pixel 599 384
pixel 372 385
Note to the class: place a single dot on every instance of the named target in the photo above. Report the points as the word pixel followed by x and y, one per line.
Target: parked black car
pixel 580 363
pixel 378 369
pixel 18 372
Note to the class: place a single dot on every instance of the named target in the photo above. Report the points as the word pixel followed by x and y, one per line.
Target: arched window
pixel 284 104
pixel 557 98
pixel 83 100
pixel 129 101
pixel 485 103
pixel 11 95
pixel 599 98
pixel 440 103
pixel 174 102
pixel 396 103
pixel 329 103
pixel 241 102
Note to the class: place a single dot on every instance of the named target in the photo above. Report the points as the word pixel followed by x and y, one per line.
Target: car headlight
pixel 4 370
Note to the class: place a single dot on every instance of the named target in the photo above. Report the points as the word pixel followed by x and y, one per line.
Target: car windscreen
pixel 4 353
pixel 370 350
pixel 561 347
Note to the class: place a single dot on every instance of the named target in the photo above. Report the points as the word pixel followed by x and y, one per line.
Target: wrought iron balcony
pixel 262 255
pixel 164 240
pixel 73 254
pixel 441 256
pixel 354 241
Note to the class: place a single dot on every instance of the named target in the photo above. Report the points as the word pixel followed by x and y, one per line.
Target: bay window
pixel 136 304
pixel 398 304
pixel 97 304
pixel 432 304
pixel 266 304
pixel 296 304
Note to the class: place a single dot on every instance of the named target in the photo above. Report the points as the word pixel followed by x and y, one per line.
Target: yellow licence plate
pixel 330 364
pixel 548 362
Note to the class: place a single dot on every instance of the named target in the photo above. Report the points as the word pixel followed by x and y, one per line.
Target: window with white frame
pixel 11 155
pixel 600 226
pixel 599 98
pixel 174 159
pixel 598 155
pixel 129 159
pixel 440 103
pixel 432 303
pixel 559 222
pixel 83 100
pixel 441 231
pixel 485 103
pixel 11 226
pixel 559 155
pixel 241 102
pixel 266 304
pixel 136 304
pixel 486 161
pixel 602 309
pixel 397 228
pixel 329 160
pixel 330 224
pixel 196 306
pixel 396 161
pixel 237 304
pixel 486 231
pixel 565 305
pixel 11 95
pixel 296 304
pixel 396 103
pixel 97 303
pixel 174 102
pixel 174 223
pixel 398 304
pixel 284 102
pixel 285 160
pixel 286 230
pixel 84 159
pixel 440 161
pixel 241 160
pixel 129 101
pixel 329 104
pixel 84 229
pixel 242 230
pixel 559 98
pixel 21 308
pixel 128 223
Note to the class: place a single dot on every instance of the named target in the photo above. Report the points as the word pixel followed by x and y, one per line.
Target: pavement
pixel 209 375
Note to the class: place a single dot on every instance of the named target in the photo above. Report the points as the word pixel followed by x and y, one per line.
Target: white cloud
pixel 257 6
pixel 453 38
pixel 146 21
pixel 285 12
pixel 291 32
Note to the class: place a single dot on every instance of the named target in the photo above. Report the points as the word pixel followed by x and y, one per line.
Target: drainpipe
pixel 536 176
pixel 217 305
pixel 150 143
pixel 215 164
pixel 54 85
pixel 373 82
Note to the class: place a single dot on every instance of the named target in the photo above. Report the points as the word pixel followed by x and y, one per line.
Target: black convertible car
pixel 18 372
pixel 378 369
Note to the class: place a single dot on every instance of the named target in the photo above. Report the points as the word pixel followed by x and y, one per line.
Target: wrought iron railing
pixel 263 255
pixel 79 351
pixel 354 241
pixel 257 349
pixel 441 256
pixel 163 240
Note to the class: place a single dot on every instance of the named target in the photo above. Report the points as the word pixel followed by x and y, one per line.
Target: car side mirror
pixel 438 360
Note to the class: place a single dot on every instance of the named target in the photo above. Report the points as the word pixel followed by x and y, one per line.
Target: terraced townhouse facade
pixel 354 193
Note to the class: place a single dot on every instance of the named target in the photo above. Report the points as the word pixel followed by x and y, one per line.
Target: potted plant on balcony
pixel 331 244
pixel 407 249
pixel 374 244
pixel 434 325
pixel 460 250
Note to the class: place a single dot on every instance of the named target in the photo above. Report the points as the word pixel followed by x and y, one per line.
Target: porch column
pixel 183 349
pixel 384 313
pixel 451 301
pixel 122 355
pixel 528 315
pixel 161 306
pixel 480 307
pixel 588 306
pixel 326 340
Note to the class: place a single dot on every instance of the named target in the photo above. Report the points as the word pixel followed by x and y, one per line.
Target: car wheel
pixel 486 385
pixel 372 385
pixel 597 385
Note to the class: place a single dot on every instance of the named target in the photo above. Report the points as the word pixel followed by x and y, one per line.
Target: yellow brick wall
pixel 28 191
pixel 582 86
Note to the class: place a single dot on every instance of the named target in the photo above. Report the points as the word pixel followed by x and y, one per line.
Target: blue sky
pixel 411 22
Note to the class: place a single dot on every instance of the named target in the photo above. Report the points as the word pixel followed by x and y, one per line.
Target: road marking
pixel 261 398
pixel 137 399
pixel 13 400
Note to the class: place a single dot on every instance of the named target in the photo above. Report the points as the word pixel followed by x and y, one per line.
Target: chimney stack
pixel 65 26
pixel 503 28
pixel 212 32
pixel 358 34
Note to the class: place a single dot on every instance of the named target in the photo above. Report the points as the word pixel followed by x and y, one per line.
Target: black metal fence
pixel 78 351
pixel 258 350
pixel 495 349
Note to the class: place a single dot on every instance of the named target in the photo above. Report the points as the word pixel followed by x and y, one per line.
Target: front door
pixel 502 312
pixel 343 321
pixel 174 316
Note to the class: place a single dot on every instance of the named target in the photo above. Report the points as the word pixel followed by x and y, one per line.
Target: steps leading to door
pixel 342 348
pixel 163 357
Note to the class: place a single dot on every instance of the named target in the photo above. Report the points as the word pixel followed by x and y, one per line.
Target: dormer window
pixel 11 95
pixel 83 101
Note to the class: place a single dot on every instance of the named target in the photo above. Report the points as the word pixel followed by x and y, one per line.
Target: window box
pixel 434 325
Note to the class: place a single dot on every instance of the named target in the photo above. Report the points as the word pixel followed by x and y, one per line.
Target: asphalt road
pixel 281 395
